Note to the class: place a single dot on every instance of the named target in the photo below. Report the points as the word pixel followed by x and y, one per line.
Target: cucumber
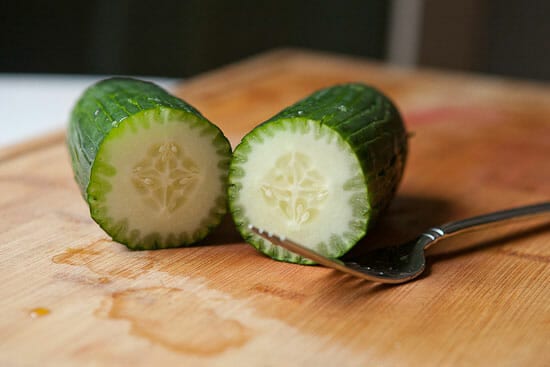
pixel 320 172
pixel 152 169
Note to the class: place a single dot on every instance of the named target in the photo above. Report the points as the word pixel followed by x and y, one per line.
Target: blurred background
pixel 181 38
pixel 176 39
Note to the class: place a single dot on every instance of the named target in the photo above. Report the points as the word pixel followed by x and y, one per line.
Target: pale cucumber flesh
pixel 299 179
pixel 158 179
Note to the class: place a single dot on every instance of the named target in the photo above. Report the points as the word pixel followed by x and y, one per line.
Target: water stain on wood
pixel 177 320
pixel 104 258
pixel 82 279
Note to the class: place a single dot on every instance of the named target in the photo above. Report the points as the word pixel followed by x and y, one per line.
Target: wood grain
pixel 70 296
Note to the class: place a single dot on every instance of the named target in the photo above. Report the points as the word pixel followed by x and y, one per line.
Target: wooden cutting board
pixel 69 296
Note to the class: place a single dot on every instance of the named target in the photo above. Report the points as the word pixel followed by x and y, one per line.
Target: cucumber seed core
pixel 295 187
pixel 165 177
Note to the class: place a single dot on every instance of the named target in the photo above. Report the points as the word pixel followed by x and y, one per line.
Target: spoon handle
pixel 487 220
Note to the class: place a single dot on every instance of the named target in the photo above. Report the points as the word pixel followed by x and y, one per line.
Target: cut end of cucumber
pixel 300 179
pixel 158 179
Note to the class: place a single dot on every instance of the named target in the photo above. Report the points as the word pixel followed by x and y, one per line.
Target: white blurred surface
pixel 36 104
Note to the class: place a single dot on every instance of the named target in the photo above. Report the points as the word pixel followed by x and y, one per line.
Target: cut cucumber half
pixel 320 172
pixel 152 169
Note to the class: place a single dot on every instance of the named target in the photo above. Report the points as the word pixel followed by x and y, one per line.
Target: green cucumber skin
pixel 102 107
pixel 372 126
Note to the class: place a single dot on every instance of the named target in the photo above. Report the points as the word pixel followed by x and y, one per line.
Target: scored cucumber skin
pixel 102 107
pixel 372 126
pixel 105 105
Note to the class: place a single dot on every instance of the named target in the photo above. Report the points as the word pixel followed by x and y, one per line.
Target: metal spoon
pixel 401 263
